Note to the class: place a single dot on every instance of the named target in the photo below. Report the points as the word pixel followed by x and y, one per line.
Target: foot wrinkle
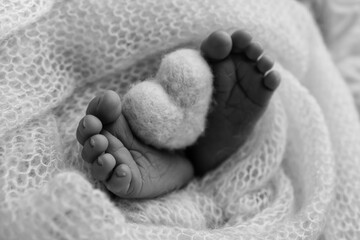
pixel 247 96
pixel 129 189
pixel 229 103
pixel 136 155
pixel 227 75
pixel 131 139
pixel 131 144
pixel 220 91
pixel 230 119
pixel 118 150
pixel 142 162
pixel 146 165
pixel 98 105
pixel 243 66
pixel 110 174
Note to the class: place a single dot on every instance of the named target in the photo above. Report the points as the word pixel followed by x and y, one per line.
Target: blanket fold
pixel 295 178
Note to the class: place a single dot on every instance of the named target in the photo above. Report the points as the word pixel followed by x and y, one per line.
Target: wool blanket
pixel 295 178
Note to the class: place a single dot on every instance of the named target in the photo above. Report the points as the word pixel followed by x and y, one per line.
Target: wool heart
pixel 169 111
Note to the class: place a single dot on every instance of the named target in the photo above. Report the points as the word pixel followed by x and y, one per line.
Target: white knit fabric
pixel 296 178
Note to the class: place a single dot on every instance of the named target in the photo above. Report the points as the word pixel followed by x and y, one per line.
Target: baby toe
pixel 254 51
pixel 107 107
pixel 217 45
pixel 264 64
pixel 119 182
pixel 103 166
pixel 88 126
pixel 240 40
pixel 93 147
pixel 272 80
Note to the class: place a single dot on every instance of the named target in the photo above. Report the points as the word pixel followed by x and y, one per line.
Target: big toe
pixel 217 46
pixel 240 40
pixel 107 107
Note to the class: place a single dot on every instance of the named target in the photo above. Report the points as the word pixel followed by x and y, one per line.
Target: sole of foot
pixel 244 82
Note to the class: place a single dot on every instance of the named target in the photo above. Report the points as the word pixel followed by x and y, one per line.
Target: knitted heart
pixel 169 111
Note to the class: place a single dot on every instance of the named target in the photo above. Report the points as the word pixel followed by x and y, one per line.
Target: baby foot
pixel 127 167
pixel 243 85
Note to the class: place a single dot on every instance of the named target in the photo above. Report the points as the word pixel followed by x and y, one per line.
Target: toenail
pixel 100 161
pixel 84 123
pixel 98 103
pixel 120 173
pixel 92 142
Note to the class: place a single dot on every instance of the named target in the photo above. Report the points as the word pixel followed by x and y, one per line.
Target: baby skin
pixel 243 85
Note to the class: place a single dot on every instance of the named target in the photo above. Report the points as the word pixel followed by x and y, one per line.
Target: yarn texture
pixel 169 111
pixel 297 176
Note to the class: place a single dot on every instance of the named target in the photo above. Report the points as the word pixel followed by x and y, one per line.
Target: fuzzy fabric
pixel 169 111
pixel 297 177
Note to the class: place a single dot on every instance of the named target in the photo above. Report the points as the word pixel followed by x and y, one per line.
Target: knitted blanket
pixel 296 177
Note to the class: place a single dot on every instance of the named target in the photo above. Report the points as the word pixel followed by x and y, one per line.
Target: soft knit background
pixel 296 178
